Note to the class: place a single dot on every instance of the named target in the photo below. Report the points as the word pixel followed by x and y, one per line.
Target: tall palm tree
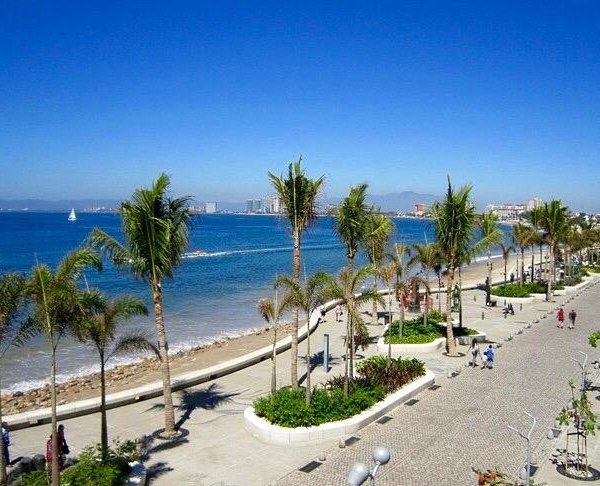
pixel 57 306
pixel 305 297
pixel 454 220
pixel 299 196
pixel 388 274
pixel 427 256
pixel 378 229
pixel 506 251
pixel 402 264
pixel 488 224
pixel 345 290
pixel 270 311
pixel 554 222
pixel 535 217
pixel 352 215
pixel 523 237
pixel 155 228
pixel 12 286
pixel 98 330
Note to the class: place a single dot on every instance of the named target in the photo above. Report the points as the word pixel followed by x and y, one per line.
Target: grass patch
pixel 288 407
pixel 415 331
pixel 523 290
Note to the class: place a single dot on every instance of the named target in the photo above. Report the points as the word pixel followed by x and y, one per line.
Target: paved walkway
pixel 435 441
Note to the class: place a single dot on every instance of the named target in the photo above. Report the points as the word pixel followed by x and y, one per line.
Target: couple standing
pixel 488 361
pixel 560 316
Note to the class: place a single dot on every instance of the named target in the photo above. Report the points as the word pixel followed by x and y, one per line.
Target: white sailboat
pixel 72 216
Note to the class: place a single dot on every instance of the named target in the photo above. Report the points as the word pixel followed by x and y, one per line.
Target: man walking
pixel 572 316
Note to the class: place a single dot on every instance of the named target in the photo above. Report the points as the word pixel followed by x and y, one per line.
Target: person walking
pixel 572 317
pixel 6 443
pixel 560 315
pixel 338 313
pixel 63 449
pixel 474 350
pixel 489 358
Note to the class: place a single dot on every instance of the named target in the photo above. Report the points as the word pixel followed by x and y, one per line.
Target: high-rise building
pixel 276 206
pixel 420 209
pixel 211 207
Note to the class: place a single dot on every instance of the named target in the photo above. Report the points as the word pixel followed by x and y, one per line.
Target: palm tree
pixel 306 298
pixel 352 215
pixel 506 251
pixel 98 330
pixel 155 228
pixel 388 273
pixel 535 217
pixel 427 256
pixel 378 229
pixel 299 196
pixel 488 224
pixel 57 306
pixel 402 264
pixel 454 220
pixel 270 311
pixel 523 237
pixel 554 222
pixel 345 290
pixel 12 288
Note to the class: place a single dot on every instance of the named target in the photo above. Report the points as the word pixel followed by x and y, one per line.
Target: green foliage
pixel 33 478
pixel 92 471
pixel 523 290
pixel 572 280
pixel 581 414
pixel 592 268
pixel 415 331
pixel 392 376
pixel 288 408
pixel 593 339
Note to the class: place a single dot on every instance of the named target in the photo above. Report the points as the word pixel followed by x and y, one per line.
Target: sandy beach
pixel 147 370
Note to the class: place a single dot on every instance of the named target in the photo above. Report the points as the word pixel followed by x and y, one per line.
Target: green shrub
pixel 572 280
pixel 288 408
pixel 523 290
pixel 415 331
pixel 592 268
pixel 92 471
pixel 33 478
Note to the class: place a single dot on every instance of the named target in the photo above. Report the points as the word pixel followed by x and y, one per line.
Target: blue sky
pixel 99 97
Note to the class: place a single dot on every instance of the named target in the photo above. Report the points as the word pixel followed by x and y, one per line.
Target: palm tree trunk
pixel 505 264
pixel 55 471
pixel 389 332
pixel 347 346
pixel 163 351
pixel 532 263
pixel 274 362
pixel 3 477
pixel 103 421
pixel 294 350
pixel 550 277
pixel 439 292
pixel 374 320
pixel 450 344
pixel 308 390
pixel 522 265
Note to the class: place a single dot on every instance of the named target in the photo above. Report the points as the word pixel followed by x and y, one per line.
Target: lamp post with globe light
pixel 360 472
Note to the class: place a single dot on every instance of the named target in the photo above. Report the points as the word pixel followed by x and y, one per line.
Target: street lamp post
pixel 528 439
pixel 360 472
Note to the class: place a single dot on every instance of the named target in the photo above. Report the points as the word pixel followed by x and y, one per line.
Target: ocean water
pixel 210 297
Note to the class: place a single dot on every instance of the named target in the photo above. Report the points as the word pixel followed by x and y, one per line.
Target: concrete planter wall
pixel 513 300
pixel 274 434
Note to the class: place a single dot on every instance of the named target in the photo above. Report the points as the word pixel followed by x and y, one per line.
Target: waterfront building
pixel 211 207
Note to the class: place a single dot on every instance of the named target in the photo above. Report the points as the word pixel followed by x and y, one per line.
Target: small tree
pixel 306 298
pixel 269 310
pixel 98 330
pixel 581 417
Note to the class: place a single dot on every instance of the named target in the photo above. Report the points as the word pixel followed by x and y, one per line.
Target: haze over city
pixel 99 98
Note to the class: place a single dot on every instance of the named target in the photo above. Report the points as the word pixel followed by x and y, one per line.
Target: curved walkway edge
pixel 152 390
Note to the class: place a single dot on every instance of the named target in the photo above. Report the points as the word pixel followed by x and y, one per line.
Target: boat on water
pixel 194 254
pixel 72 216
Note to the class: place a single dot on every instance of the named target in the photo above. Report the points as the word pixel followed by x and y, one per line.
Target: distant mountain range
pixel 397 201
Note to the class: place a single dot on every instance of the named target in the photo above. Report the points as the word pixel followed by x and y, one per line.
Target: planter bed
pixel 400 349
pixel 274 434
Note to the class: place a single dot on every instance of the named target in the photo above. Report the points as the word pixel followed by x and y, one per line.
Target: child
pixel 489 357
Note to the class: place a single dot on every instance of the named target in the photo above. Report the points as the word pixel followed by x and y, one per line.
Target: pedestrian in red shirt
pixel 560 315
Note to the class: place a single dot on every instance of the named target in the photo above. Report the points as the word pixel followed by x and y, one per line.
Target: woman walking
pixel 474 350
pixel 560 315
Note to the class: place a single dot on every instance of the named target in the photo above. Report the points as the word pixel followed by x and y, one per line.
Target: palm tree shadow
pixel 316 360
pixel 208 398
